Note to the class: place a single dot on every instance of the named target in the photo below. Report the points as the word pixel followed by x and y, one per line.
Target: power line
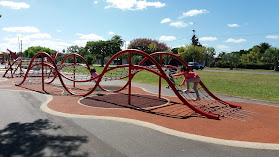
pixel 243 34
pixel 228 36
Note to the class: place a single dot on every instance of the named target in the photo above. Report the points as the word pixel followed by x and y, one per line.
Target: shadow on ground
pixel 37 139
pixel 144 103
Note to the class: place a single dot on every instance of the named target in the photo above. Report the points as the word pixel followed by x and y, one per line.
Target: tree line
pixel 99 50
pixel 262 56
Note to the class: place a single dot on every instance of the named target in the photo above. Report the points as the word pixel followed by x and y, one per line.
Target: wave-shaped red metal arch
pixel 131 67
pixel 16 60
pixel 188 67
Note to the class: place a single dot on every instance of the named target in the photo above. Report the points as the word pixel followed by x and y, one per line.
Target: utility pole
pixel 21 48
pixel 194 43
pixel 18 44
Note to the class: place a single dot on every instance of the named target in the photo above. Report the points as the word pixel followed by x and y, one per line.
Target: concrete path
pixel 25 130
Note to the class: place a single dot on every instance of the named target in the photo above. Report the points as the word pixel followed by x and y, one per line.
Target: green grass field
pixel 238 69
pixel 246 85
pixel 255 86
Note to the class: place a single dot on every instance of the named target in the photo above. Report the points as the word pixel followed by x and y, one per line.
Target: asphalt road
pixel 25 130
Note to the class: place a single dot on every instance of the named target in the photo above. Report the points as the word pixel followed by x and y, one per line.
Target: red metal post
pixel 74 70
pixel 160 78
pixel 130 78
pixel 43 82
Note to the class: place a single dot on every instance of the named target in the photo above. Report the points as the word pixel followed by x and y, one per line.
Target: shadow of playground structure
pixel 35 139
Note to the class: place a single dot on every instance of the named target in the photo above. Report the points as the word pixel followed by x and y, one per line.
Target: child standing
pixel 190 76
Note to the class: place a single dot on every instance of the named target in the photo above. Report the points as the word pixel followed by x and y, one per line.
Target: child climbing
pixel 190 77
pixel 175 63
pixel 93 73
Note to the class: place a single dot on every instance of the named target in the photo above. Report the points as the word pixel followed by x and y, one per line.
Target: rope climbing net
pixel 207 102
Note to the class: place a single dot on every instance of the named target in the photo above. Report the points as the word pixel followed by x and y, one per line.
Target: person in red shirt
pixel 190 77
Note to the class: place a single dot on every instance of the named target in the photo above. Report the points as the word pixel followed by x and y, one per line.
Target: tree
pixel 175 50
pixel 32 51
pixel 264 46
pixel 143 44
pixel 136 59
pixel 244 60
pixel 221 54
pixel 118 39
pixel 195 41
pixel 102 49
pixel 152 47
pixel 233 59
pixel 192 53
pixel 254 55
pixel 209 55
pixel 241 52
pixel 272 55
pixel 76 49
pixel 90 59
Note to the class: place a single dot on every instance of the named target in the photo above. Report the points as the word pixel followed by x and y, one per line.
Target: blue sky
pixel 226 25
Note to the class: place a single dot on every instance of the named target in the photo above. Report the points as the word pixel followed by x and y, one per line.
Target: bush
pixel 267 66
pixel 90 59
pixel 221 64
pixel 257 66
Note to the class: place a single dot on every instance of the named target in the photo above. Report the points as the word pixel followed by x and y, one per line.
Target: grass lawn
pixel 255 86
pixel 238 69
pixel 246 85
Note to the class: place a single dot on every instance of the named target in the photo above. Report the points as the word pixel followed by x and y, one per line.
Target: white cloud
pixel 166 20
pixel 80 42
pixel 37 35
pixel 121 4
pixel 37 39
pixel 208 39
pixel 193 12
pixel 58 30
pixel 14 5
pixel 133 4
pixel 230 40
pixel 95 2
pixel 51 44
pixel 26 29
pixel 233 25
pixel 11 40
pixel 180 24
pixel 272 37
pixel 223 47
pixel 167 38
pixel 90 37
pixel 84 38
pixel 143 4
pixel 111 33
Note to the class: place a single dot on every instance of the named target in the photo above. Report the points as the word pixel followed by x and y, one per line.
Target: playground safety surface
pixel 166 111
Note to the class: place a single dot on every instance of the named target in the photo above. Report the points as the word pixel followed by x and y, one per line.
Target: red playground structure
pixel 42 69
